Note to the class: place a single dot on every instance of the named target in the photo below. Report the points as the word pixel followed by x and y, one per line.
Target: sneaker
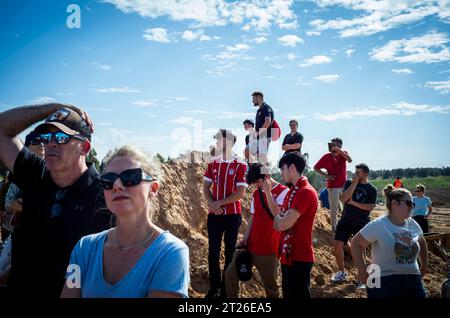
pixel 339 277
pixel 360 285
pixel 213 293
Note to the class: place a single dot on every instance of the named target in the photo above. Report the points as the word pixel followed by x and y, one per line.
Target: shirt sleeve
pixel 429 201
pixel 302 201
pixel 370 231
pixel 208 173
pixel 372 196
pixel 27 167
pixel 266 112
pixel 172 272
pixel 280 198
pixel 284 140
pixel 300 138
pixel 347 185
pixel 240 176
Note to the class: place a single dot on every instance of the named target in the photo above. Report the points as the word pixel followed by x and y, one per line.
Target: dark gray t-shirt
pixel 364 193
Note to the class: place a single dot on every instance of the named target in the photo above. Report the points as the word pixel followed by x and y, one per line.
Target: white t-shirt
pixel 394 248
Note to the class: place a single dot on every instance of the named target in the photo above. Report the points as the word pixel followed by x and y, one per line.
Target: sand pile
pixel 182 209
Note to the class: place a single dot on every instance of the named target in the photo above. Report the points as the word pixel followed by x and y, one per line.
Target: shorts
pixel 345 230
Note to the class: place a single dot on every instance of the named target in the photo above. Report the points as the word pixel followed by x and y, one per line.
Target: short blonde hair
pixel 149 166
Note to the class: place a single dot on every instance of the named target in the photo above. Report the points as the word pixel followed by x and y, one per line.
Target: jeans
pixel 296 280
pixel 218 225
pixel 398 286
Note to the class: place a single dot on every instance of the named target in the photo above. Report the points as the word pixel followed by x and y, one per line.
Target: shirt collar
pixel 87 178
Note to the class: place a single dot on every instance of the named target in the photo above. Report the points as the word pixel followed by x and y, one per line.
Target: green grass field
pixel 428 182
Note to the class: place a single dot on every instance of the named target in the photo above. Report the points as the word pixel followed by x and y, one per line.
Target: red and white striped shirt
pixel 225 177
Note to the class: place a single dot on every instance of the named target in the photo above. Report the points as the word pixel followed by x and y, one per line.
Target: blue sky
pixel 165 75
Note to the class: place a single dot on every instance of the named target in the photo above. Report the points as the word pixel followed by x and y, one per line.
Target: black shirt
pixel 364 193
pixel 41 244
pixel 263 112
pixel 289 139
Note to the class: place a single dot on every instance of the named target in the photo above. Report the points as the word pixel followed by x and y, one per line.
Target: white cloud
pixel 380 15
pixel 230 115
pixel 143 103
pixel 65 94
pixel 290 40
pixel 196 111
pixel 443 87
pixel 189 35
pixel 429 48
pixel 312 33
pixel 300 82
pixel 298 117
pixel 398 109
pixel 402 71
pixel 101 67
pixel 238 47
pixel 349 52
pixel 156 35
pixel 182 120
pixel 268 77
pixel 42 100
pixel 291 56
pixel 255 14
pixel 318 59
pixel 327 78
pixel 260 39
pixel 124 89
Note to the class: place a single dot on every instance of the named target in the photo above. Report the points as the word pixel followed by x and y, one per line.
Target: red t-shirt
pixel 336 166
pixel 263 239
pixel 305 202
pixel 226 176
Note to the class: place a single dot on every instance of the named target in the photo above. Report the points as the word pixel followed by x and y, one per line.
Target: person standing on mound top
pixel 224 187
pixel 263 124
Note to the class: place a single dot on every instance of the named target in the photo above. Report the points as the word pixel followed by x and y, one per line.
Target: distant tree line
pixel 409 173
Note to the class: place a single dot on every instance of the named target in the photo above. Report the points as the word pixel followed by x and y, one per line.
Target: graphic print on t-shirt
pixel 406 249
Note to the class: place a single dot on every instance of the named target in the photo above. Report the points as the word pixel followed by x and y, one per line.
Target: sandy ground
pixel 182 209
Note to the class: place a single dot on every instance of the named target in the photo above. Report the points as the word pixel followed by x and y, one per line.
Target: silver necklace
pixel 126 249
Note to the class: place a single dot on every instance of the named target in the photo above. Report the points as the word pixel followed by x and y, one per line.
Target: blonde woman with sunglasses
pixel 135 259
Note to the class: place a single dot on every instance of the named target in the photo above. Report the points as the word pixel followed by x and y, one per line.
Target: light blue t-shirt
pixel 164 266
pixel 422 205
pixel 394 248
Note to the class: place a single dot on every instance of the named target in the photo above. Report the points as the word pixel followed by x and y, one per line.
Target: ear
pixel 153 189
pixel 86 147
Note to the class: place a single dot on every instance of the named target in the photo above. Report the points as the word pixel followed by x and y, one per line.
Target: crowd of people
pixel 90 234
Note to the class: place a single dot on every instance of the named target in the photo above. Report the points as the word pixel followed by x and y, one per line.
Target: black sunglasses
pixel 129 178
pixel 409 203
pixel 59 137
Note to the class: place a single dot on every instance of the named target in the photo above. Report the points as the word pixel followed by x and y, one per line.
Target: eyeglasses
pixel 59 137
pixel 129 178
pixel 57 205
pixel 409 203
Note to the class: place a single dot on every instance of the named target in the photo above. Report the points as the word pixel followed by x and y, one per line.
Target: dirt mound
pixel 182 209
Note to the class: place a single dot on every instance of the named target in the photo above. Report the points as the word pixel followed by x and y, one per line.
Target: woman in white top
pixel 397 242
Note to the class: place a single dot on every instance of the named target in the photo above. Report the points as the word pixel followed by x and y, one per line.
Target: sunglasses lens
pixel 108 180
pixel 131 177
pixel 45 138
pixel 61 138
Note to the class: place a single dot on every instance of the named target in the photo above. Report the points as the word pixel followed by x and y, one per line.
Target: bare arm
pixel 323 174
pixel 347 194
pixel 267 122
pixel 244 240
pixel 16 120
pixel 423 256
pixel 363 206
pixel 285 220
pixel 207 192
pixel 359 244
pixel 236 196
pixel 343 154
